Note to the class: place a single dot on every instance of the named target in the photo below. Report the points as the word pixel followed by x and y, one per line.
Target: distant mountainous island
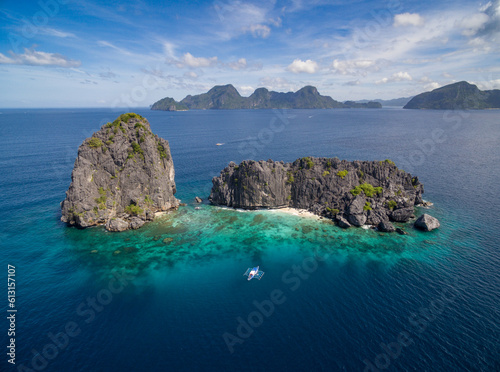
pixel 461 95
pixel 389 102
pixel 226 97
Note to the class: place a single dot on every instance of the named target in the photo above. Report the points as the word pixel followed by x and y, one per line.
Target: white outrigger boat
pixel 254 273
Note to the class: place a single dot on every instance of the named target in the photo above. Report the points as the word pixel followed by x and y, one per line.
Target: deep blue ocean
pixel 330 299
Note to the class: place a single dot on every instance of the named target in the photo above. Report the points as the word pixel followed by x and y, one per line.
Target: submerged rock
pixel 401 231
pixel 351 192
pixel 198 199
pixel 386 226
pixel 123 171
pixel 427 223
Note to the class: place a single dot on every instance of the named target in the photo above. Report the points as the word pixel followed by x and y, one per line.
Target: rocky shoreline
pixel 124 176
pixel 353 193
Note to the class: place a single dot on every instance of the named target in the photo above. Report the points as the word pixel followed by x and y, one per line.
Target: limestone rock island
pixel 123 174
pixel 351 192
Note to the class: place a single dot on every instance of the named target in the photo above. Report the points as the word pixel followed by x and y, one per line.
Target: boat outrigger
pixel 254 273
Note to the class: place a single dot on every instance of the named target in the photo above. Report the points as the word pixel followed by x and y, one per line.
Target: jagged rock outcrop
pixel 123 174
pixel 353 193
pixel 427 223
pixel 386 226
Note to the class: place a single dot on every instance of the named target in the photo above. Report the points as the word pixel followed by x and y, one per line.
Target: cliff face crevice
pixel 123 174
pixel 357 192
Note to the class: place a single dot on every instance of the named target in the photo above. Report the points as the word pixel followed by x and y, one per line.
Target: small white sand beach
pixel 296 212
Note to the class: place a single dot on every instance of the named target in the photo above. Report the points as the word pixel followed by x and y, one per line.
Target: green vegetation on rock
pixel 95 142
pixel 101 200
pixel 333 211
pixel 343 173
pixel 161 151
pixel 309 162
pixel 392 204
pixel 367 189
pixel 133 209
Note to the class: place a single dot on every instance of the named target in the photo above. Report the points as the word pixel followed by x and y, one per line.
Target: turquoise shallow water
pixel 344 293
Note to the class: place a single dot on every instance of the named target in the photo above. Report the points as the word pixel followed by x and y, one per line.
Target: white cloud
pixel 54 32
pixel 190 75
pixel 355 67
pixel 278 83
pixel 488 85
pixel 35 58
pixel 238 65
pixel 298 66
pixel 238 17
pixel 107 44
pixel 431 86
pixel 169 49
pixel 259 30
pixel 246 90
pixel 473 23
pixel 189 60
pixel 408 19
pixel 397 76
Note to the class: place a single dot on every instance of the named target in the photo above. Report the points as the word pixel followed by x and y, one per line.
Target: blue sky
pixel 64 53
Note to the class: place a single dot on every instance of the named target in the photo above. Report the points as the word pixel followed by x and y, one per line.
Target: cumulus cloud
pixel 484 23
pixel 298 66
pixel 278 83
pixel 238 65
pixel 190 61
pixel 408 19
pixel 259 30
pixel 397 76
pixel 431 86
pixel 473 23
pixel 36 58
pixel 246 90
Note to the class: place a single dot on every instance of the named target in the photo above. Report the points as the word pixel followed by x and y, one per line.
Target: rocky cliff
pixel 123 174
pixel 353 193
